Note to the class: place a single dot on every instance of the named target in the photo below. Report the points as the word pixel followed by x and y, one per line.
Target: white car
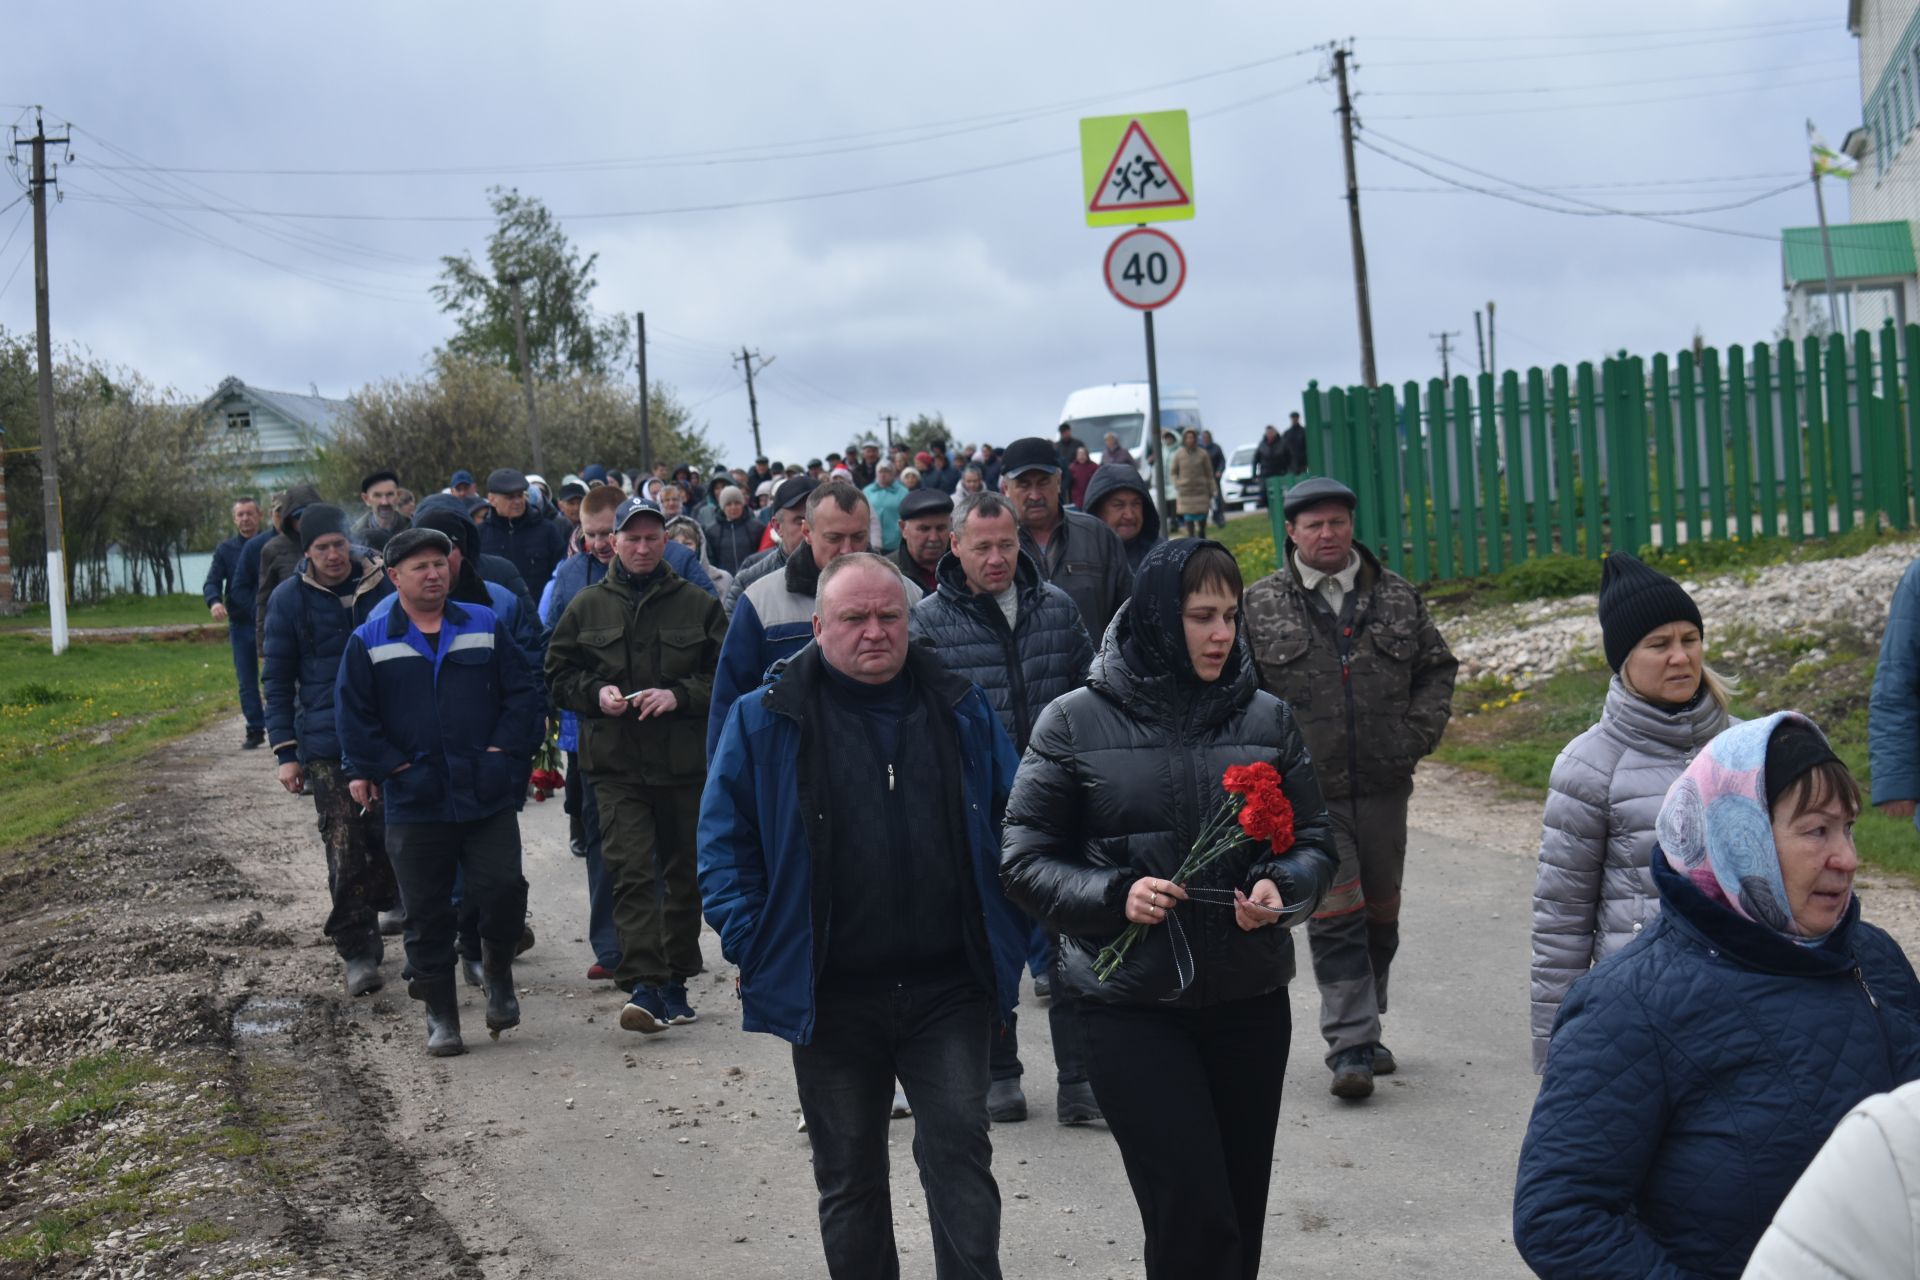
pixel 1242 486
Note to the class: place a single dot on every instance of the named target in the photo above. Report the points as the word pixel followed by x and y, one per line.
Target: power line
pixel 1606 84
pixel 1533 109
pixel 1814 24
pixel 1600 53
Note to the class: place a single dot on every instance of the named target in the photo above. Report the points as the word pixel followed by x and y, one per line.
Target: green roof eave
pixel 1861 251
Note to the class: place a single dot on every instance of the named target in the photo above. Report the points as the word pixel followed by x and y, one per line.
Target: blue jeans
pixel 933 1039
pixel 602 936
pixel 246 667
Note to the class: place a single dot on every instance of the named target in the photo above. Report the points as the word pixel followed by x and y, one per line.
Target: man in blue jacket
pixel 226 603
pixel 1893 714
pixel 306 627
pixel 817 810
pixel 439 716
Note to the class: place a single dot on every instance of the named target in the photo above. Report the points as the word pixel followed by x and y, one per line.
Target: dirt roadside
pixel 250 1120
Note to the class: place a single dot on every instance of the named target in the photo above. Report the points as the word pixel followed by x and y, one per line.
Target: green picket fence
pixel 1796 440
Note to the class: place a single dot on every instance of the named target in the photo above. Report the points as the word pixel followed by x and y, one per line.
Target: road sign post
pixel 1145 270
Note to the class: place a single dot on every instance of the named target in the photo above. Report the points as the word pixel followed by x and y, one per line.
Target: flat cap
pixel 506 480
pixel 926 501
pixel 793 492
pixel 413 542
pixel 1311 493
pixel 1030 453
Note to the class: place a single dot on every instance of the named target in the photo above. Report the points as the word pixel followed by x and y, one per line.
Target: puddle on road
pixel 260 1016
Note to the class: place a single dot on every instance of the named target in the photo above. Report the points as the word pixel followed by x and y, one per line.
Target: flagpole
pixel 1826 241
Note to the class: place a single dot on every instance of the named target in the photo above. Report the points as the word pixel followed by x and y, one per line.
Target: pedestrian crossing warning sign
pixel 1136 168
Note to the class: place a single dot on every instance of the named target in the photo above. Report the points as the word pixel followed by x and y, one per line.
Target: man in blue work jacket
pixel 438 715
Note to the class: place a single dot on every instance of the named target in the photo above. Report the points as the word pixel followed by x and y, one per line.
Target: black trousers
pixel 933 1040
pixel 425 856
pixel 1193 1098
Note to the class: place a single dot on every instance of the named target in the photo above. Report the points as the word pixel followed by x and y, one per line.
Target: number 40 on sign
pixel 1145 268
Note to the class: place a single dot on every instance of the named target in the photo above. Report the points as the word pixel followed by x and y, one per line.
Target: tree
pixel 921 432
pixel 564 336
pixel 469 413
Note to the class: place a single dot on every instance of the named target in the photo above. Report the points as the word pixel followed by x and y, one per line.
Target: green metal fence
pixel 1785 439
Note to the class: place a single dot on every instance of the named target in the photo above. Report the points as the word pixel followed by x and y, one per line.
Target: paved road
pixel 573 1149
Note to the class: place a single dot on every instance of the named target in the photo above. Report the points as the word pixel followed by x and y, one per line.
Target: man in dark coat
pixel 1075 552
pixel 1019 638
pixel 281 552
pixel 380 492
pixel 535 544
pixel 817 808
pixel 438 716
pixel 1120 499
pixel 926 534
pixel 305 633
pixel 1350 646
pixel 224 601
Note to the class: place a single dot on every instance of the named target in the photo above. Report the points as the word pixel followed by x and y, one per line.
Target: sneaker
pixel 900 1108
pixel 1075 1104
pixel 1383 1063
pixel 1006 1101
pixel 1353 1073
pixel 597 972
pixel 255 738
pixel 645 1012
pixel 679 1012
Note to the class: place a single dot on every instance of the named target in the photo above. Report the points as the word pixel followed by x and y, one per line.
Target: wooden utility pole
pixel 526 373
pixel 745 360
pixel 1446 349
pixel 37 187
pixel 1341 56
pixel 646 409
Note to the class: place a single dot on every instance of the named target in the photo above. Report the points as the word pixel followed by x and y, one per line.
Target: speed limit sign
pixel 1145 268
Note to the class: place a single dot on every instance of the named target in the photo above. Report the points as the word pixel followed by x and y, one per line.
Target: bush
pixel 1549 577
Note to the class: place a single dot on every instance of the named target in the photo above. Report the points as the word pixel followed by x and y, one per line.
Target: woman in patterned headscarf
pixel 1694 1074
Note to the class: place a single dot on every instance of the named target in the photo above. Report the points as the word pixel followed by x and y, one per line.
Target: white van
pixel 1122 407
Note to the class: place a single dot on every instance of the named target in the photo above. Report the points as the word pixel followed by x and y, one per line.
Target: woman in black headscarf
pixel 1187 1038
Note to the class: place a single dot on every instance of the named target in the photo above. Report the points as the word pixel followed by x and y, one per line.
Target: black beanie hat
pixel 1634 600
pixel 319 519
pixel 1795 748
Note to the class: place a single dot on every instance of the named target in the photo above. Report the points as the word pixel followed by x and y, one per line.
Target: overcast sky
pixel 979 295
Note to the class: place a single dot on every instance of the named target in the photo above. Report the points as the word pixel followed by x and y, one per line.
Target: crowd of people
pixel 906 731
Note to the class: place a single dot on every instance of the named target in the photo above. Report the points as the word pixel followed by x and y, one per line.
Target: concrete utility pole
pixel 526 373
pixel 646 410
pixel 1341 56
pixel 49 436
pixel 1480 340
pixel 1493 358
pixel 1446 349
pixel 745 360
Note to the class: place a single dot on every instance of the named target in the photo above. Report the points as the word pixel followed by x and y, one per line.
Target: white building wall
pixel 1887 186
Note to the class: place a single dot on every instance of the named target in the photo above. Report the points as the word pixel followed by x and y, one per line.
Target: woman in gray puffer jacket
pixel 1594 889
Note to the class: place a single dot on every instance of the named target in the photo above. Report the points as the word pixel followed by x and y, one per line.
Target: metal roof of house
pixel 316 413
pixel 1861 251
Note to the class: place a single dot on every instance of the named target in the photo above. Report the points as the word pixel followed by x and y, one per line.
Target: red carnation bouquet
pixel 547 777
pixel 1255 808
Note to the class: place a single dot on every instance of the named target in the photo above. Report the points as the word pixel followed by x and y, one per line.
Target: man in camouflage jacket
pixel 1350 647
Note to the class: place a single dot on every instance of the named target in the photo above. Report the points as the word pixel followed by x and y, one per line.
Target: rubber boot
pixel 363 964
pixel 503 1007
pixel 443 1014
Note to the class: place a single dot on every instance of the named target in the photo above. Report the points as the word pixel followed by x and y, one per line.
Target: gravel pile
pixel 1527 642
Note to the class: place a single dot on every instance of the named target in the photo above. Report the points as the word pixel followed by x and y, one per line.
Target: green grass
pixel 1250 538
pixel 1516 738
pixel 119 611
pixel 54 711
pixel 86 1088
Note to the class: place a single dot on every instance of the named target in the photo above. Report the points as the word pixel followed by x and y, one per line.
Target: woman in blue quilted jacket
pixel 1694 1074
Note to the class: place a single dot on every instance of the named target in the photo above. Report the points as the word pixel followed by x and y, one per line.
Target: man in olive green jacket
pixel 633 656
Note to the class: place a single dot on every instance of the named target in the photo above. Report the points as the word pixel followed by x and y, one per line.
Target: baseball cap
pixel 506 480
pixel 1029 453
pixel 633 508
pixel 460 478
pixel 792 492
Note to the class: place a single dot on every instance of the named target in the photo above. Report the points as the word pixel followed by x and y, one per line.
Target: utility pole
pixel 526 373
pixel 646 410
pixel 1493 358
pixel 889 418
pixel 1341 56
pixel 745 360
pixel 1480 340
pixel 1446 349
pixel 49 438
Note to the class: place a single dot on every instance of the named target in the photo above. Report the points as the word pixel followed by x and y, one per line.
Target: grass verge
pixel 118 611
pixel 73 727
pixel 1827 673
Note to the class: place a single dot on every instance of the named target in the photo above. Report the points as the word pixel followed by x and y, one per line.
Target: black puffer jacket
pixel 1045 654
pixel 1116 783
pixel 730 542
